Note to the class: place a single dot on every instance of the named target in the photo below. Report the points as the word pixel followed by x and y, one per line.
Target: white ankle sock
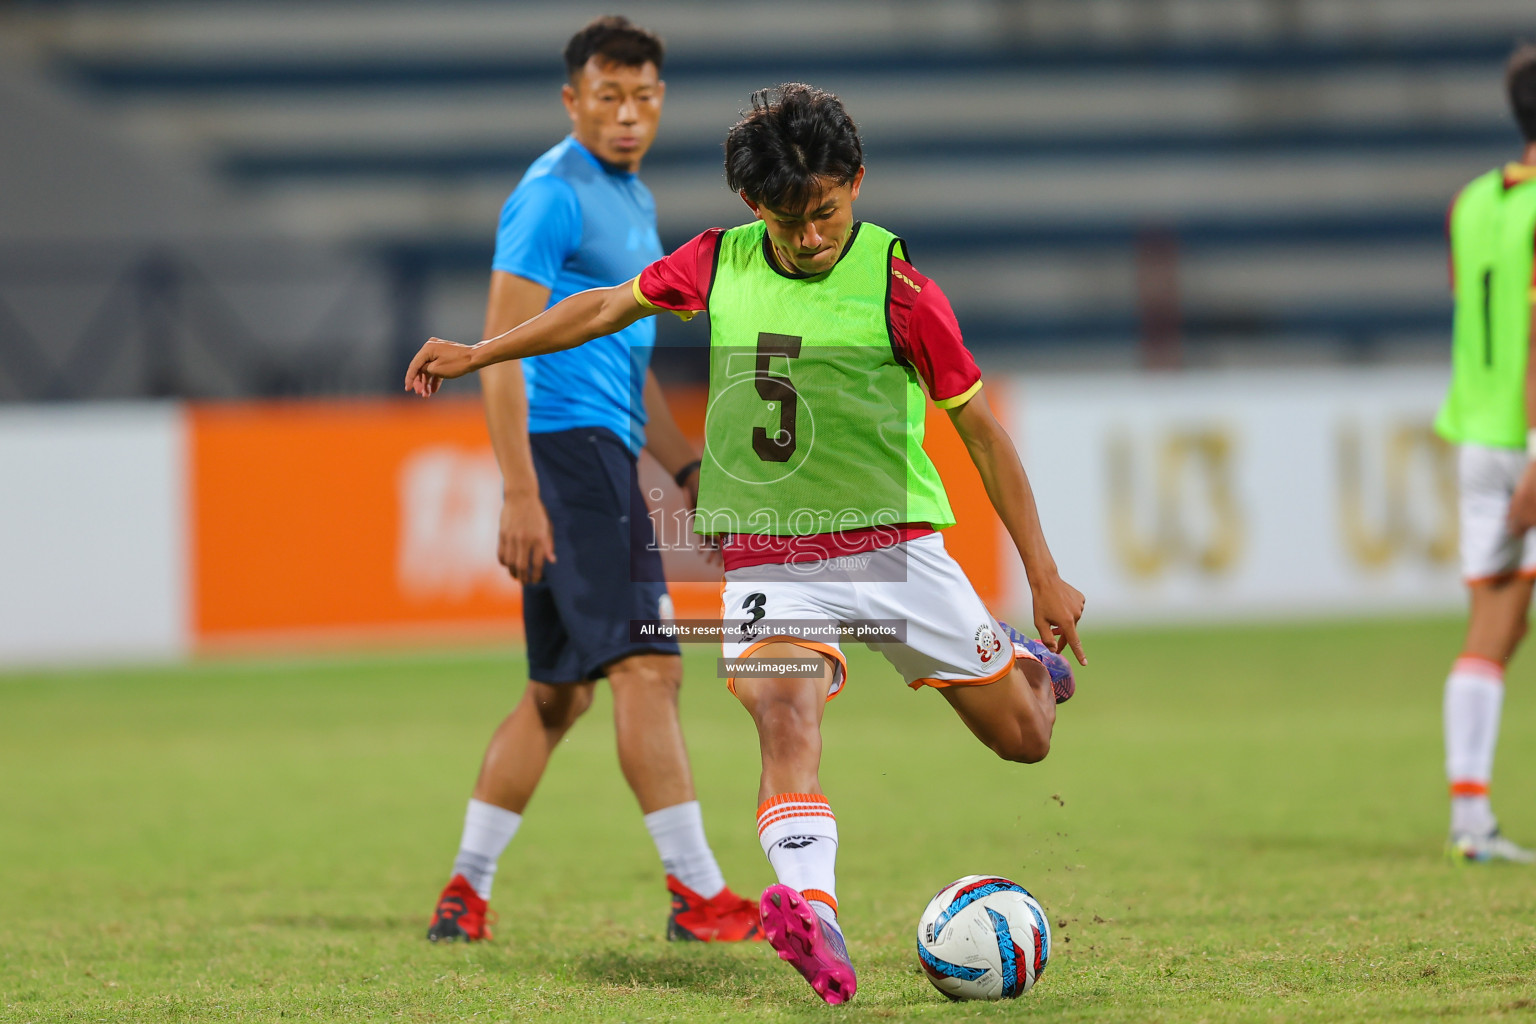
pixel 678 832
pixel 487 831
pixel 799 834
pixel 1474 698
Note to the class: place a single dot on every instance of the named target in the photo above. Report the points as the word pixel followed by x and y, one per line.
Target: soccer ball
pixel 983 937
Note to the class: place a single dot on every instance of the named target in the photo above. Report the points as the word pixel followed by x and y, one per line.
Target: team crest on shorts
pixel 987 643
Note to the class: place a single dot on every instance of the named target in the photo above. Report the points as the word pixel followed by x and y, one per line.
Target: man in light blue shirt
pixel 575 223
pixel 567 428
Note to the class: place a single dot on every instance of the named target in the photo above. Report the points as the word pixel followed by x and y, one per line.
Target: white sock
pixel 1474 697
pixel 487 831
pixel 799 834
pixel 678 832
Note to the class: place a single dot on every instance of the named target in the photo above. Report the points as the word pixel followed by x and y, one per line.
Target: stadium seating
pixel 1213 179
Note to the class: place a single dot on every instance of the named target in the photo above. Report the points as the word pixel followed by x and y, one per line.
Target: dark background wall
pixel 198 196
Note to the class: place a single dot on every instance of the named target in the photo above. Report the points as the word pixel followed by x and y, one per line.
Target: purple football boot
pixel 1058 666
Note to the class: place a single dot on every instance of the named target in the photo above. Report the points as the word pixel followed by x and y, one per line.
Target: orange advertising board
pixel 357 520
pixel 344 516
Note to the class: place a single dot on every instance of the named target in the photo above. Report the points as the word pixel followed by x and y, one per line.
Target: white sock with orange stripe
pixel 799 834
pixel 1474 698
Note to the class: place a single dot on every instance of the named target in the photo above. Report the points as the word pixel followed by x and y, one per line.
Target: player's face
pixel 615 110
pixel 811 240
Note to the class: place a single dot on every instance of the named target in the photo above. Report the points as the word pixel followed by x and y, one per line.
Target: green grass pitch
pixel 1234 824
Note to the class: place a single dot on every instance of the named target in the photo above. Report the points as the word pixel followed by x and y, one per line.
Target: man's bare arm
pixel 570 322
pixel 1058 606
pixel 663 438
pixel 524 540
pixel 1522 506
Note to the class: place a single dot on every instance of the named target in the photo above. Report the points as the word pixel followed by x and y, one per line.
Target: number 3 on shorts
pixel 754 604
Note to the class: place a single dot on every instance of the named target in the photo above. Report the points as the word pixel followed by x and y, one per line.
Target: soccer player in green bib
pixel 1488 414
pixel 823 340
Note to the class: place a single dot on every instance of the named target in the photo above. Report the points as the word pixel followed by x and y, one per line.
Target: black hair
pixel 1520 81
pixel 794 142
pixel 615 39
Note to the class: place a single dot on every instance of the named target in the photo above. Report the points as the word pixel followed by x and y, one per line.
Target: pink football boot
pixel 813 947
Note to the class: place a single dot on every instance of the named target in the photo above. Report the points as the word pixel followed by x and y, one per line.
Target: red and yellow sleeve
pixel 926 334
pixel 679 282
pixel 681 314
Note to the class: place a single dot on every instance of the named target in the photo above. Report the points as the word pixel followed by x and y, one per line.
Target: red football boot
pixel 724 917
pixel 460 914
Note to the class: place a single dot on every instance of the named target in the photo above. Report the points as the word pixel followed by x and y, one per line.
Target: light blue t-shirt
pixel 572 224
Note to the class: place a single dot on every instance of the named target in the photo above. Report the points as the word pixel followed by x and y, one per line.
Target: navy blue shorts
pixel 607 571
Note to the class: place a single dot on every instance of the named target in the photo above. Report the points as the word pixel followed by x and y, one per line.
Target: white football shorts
pixel 1487 478
pixel 951 638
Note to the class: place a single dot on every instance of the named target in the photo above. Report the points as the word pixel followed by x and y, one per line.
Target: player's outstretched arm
pixel 568 323
pixel 1058 605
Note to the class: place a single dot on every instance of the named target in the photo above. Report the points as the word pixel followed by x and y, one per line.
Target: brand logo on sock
pixel 795 842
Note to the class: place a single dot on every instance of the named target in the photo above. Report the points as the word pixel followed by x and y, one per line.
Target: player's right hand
pixel 437 361
pixel 525 541
pixel 1058 607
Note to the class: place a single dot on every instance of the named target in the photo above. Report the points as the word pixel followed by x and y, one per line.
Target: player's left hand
pixel 1058 607
pixel 1522 507
pixel 437 361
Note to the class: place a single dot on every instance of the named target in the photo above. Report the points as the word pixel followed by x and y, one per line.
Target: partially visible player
pixel 1488 414
pixel 566 429
pixel 823 339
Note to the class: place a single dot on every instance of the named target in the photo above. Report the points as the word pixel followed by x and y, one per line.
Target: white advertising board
pixel 92 533
pixel 1243 495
